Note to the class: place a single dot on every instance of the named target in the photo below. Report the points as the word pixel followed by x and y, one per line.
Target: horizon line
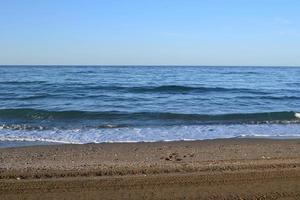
pixel 140 65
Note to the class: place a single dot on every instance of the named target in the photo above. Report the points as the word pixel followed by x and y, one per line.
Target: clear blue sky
pixel 150 32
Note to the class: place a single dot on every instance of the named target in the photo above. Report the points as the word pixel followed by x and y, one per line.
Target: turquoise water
pixel 80 104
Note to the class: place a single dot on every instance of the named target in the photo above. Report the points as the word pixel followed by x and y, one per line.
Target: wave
pixel 293 84
pixel 144 117
pixel 271 97
pixel 175 89
pixel 241 73
pixel 178 88
pixel 24 98
pixel 151 134
pixel 21 82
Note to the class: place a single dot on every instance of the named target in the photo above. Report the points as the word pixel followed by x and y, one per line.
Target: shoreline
pixel 15 143
pixel 164 169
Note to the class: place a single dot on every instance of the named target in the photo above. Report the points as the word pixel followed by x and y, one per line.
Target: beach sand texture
pixel 209 169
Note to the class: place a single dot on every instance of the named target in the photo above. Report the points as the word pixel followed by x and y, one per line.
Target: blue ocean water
pixel 81 104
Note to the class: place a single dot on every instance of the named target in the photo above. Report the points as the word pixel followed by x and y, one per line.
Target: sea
pixel 93 104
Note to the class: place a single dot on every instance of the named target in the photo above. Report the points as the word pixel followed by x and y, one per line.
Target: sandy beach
pixel 209 169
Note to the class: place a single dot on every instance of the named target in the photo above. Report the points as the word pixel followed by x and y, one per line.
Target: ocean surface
pixel 83 104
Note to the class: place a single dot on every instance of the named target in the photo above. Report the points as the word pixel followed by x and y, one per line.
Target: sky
pixel 150 32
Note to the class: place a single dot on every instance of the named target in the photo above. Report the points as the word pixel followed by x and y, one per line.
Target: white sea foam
pixel 26 139
pixel 151 134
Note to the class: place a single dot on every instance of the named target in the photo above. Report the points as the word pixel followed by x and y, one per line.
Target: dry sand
pixel 211 169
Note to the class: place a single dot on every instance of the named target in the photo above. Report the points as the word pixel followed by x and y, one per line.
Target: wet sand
pixel 210 169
